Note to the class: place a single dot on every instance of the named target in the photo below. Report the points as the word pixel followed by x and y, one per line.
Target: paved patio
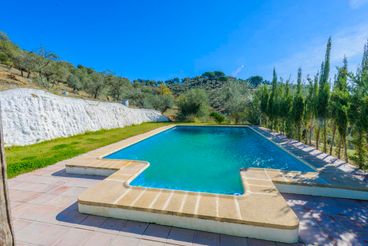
pixel 44 212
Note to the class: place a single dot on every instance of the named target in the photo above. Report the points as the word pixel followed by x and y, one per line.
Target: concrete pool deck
pixel 261 212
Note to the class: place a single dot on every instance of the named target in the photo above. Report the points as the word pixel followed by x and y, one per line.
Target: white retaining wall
pixel 31 116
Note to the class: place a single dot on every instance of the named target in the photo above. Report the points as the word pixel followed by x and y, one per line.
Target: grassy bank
pixel 27 158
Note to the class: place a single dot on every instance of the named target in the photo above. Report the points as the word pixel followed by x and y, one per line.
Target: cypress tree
pixel 323 96
pixel 339 104
pixel 264 102
pixel 310 108
pixel 359 110
pixel 272 102
pixel 285 109
pixel 298 106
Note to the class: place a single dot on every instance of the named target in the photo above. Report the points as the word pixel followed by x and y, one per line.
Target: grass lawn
pixel 24 159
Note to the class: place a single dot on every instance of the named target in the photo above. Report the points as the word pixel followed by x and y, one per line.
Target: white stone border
pixel 241 230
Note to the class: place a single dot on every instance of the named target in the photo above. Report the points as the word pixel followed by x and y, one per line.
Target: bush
pixel 193 104
pixel 219 118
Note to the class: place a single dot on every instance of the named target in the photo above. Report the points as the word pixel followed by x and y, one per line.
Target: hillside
pixel 11 78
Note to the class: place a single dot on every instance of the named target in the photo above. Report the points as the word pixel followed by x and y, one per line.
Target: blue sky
pixel 175 38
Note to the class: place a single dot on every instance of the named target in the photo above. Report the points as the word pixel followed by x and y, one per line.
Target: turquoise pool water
pixel 205 159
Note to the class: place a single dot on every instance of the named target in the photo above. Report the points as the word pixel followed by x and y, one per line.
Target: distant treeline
pixel 45 69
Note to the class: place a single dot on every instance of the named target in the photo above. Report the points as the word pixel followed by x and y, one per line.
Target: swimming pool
pixel 205 159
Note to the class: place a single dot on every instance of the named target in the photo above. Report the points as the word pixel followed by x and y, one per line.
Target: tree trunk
pixel 317 138
pixel 359 149
pixel 324 137
pixel 345 149
pixel 339 148
pixel 333 138
pixel 6 230
pixel 310 135
pixel 306 134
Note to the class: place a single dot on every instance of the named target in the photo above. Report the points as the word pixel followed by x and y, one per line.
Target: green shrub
pixel 193 104
pixel 219 118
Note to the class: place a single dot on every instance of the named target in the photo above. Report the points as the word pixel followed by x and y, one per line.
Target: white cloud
pixel 238 70
pixel 355 4
pixel 349 42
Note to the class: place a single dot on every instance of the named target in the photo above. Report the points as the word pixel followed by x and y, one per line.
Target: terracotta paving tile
pixel 257 242
pixel 226 240
pixel 206 238
pixel 22 196
pixel 59 190
pixel 73 191
pixel 19 224
pixel 14 205
pixel 289 244
pixel 144 242
pixel 74 237
pixel 84 183
pixel 46 172
pixel 134 228
pixel 36 212
pixel 69 215
pixel 19 243
pixel 113 225
pixel 37 179
pixel 180 236
pixel 313 235
pixel 156 232
pixel 43 199
pixel 99 239
pixel 126 241
pixel 41 234
pixel 93 221
pixel 61 201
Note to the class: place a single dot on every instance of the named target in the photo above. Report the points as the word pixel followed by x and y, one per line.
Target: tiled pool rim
pixel 284 229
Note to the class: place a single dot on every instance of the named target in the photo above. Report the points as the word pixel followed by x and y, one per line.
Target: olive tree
pixel 193 103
